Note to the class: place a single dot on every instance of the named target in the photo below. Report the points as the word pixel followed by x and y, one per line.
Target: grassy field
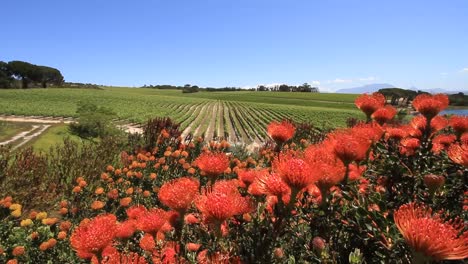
pixel 53 135
pixel 244 113
pixel 9 129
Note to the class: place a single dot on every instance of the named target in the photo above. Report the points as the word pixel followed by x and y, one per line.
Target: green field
pixel 242 116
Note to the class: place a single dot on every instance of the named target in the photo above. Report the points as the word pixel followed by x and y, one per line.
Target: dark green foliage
pixel 28 74
pixel 94 122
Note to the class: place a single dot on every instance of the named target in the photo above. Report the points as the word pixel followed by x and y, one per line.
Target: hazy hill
pixel 370 88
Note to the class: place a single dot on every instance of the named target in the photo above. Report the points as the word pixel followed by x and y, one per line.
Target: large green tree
pixel 30 73
pixel 50 75
pixel 5 75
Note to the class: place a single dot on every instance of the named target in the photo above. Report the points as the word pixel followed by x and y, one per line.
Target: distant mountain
pixel 370 88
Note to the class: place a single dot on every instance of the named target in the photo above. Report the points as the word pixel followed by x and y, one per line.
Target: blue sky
pixel 329 43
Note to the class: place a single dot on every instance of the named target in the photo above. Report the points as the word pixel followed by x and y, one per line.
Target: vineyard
pixel 235 116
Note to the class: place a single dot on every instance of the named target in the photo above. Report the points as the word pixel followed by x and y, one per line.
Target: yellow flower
pixel 15 207
pixel 16 213
pixel 26 222
pixel 41 215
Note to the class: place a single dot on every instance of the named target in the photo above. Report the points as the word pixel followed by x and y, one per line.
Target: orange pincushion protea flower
pixel 152 220
pixel 384 114
pixel 459 154
pixel 328 170
pixel 212 164
pixel 222 202
pixel 247 177
pixel 178 194
pixel 294 171
pixel 349 146
pixel 459 124
pixel 430 235
pixel 92 236
pixel 430 105
pixel 408 146
pixel 281 132
pixel 442 142
pixel 395 133
pixel 370 103
pixel 147 242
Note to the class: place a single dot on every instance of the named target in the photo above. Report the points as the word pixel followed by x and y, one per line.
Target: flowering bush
pixel 377 192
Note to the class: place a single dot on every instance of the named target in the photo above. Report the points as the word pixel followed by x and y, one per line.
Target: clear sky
pixel 329 43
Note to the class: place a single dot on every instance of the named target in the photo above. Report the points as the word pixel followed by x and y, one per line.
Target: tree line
pixel 188 88
pixel 304 88
pixel 21 74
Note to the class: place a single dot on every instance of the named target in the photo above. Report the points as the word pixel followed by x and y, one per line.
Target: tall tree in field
pixel 50 75
pixel 5 75
pixel 24 71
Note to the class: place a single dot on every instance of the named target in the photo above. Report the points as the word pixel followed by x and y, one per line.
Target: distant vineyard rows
pixel 238 119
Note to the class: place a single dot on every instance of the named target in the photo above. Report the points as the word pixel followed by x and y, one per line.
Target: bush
pixel 94 122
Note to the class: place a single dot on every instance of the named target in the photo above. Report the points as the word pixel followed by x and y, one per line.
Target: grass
pixel 10 129
pixel 52 136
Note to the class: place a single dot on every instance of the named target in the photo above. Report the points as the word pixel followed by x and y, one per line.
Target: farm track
pixel 205 117
pixel 220 119
pixel 229 129
pixel 198 116
pixel 41 124
pixel 210 131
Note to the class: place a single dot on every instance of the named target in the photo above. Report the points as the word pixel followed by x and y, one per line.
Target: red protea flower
pixel 328 170
pixel 396 133
pixel 464 138
pixel 384 114
pixel 247 176
pixel 430 105
pixel 428 234
pixel 459 124
pixel 349 147
pixel 222 202
pixel 136 211
pixel 294 171
pixel 356 171
pixel 152 220
pixel 212 164
pixel 438 123
pixel 126 229
pixel 271 184
pixel 442 142
pixel 92 236
pixel 370 103
pixel 408 146
pixel 179 194
pixel 281 132
pixel 111 255
pixel 459 154
pixel 147 242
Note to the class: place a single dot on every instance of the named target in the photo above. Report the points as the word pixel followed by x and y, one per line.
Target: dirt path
pixel 209 134
pixel 188 129
pixel 205 115
pixel 220 128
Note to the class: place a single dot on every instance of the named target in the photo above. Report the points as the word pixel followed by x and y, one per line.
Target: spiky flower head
pixel 152 221
pixel 294 171
pixel 459 124
pixel 92 236
pixel 221 202
pixel 179 193
pixel 281 131
pixel 384 114
pixel 430 235
pixel 213 164
pixel 458 153
pixel 430 105
pixel 370 103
